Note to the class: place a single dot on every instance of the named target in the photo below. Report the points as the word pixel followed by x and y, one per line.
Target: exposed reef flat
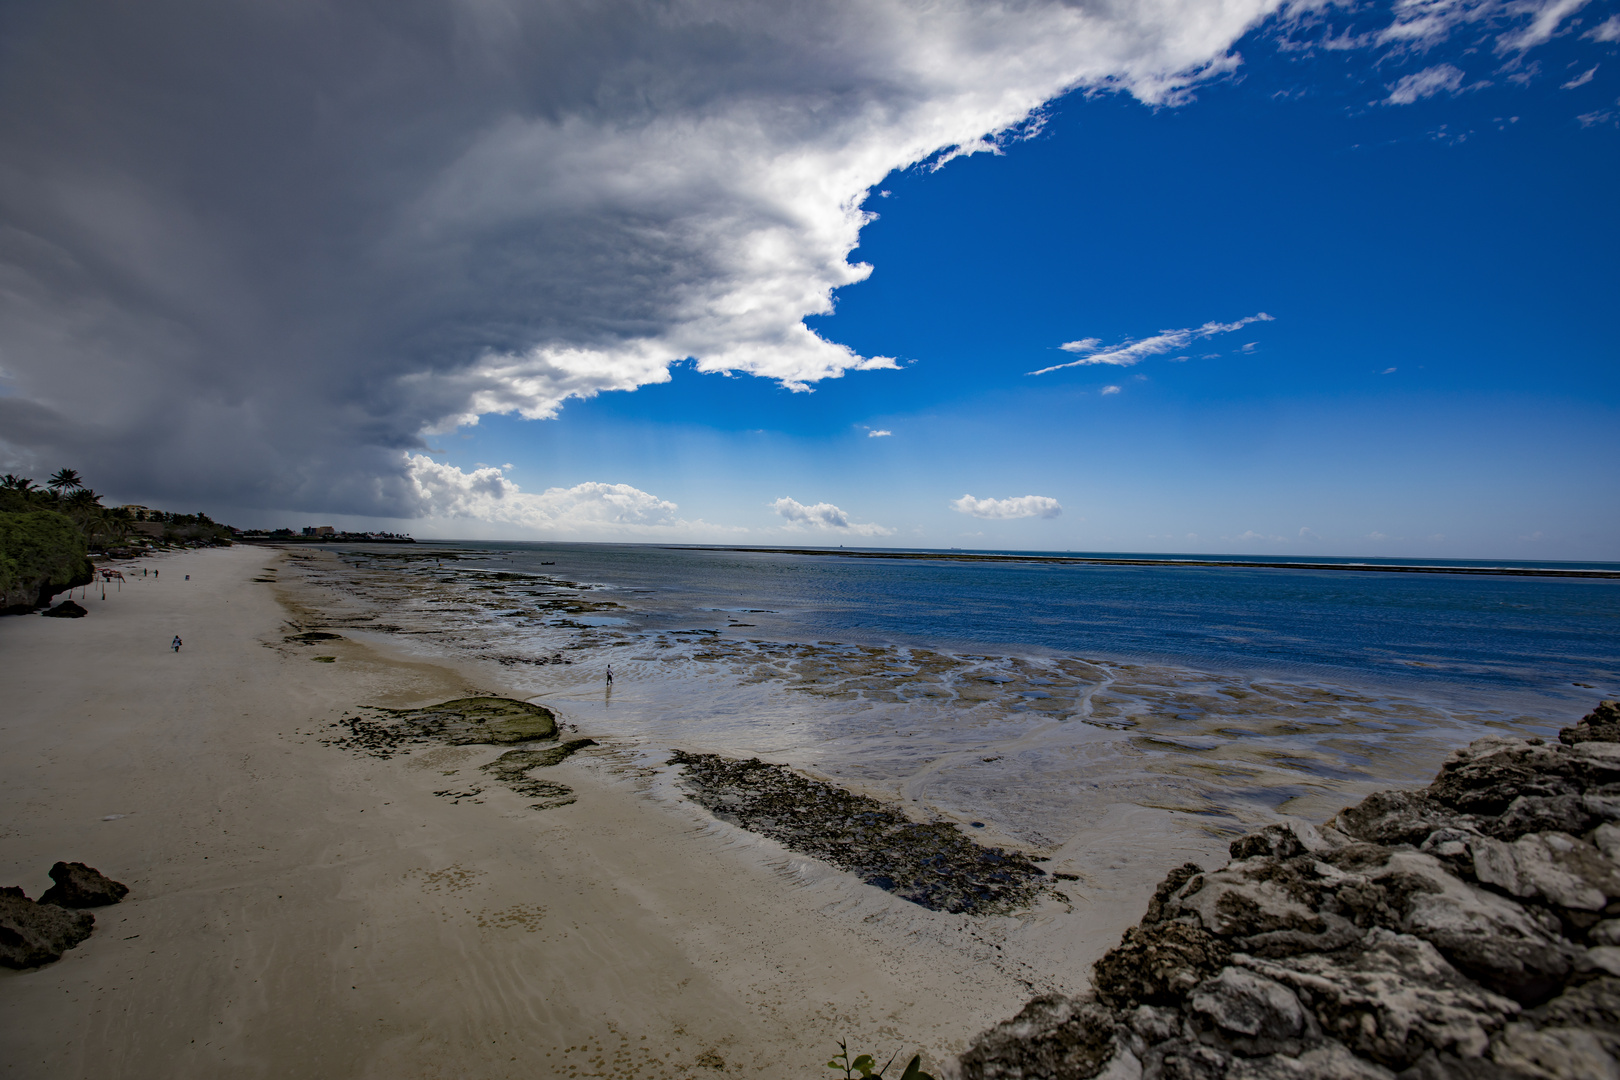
pixel 500 721
pixel 1076 560
pixel 1467 930
pixel 931 864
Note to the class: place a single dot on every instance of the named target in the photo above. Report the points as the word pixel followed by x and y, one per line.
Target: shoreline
pixel 296 908
pixel 427 920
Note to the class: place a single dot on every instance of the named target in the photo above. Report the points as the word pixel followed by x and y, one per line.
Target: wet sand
pixel 297 909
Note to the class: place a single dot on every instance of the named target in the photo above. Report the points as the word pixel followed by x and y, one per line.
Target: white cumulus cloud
pixel 824 515
pixel 1134 352
pixel 1020 506
pixel 485 494
pixel 878 434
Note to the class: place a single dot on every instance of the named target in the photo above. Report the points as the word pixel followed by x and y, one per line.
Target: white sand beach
pixel 298 910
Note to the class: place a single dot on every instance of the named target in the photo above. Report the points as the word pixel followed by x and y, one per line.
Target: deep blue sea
pixel 1545 636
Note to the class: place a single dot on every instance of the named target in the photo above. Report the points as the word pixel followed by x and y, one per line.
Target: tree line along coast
pixel 52 535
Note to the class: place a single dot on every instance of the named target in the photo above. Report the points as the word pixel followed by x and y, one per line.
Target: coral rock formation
pixel 81 886
pixel 33 934
pixel 1471 929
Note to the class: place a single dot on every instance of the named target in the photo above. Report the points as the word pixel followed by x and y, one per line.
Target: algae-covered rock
pixel 67 609
pixel 482 720
pixel 33 934
pixel 500 721
pixel 1053 1037
pixel 1602 724
pixel 1162 962
pixel 512 769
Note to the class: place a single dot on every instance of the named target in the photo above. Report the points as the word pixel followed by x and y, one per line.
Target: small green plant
pixel 865 1065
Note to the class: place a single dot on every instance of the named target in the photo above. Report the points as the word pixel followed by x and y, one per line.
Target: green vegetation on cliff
pixel 41 553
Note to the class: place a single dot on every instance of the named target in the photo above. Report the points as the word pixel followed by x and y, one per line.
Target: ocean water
pixel 1061 708
pixel 1475 633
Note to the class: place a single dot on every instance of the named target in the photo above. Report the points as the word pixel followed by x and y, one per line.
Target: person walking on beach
pixel 175 644
pixel 610 675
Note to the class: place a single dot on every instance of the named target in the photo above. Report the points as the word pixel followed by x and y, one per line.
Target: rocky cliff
pixel 1470 929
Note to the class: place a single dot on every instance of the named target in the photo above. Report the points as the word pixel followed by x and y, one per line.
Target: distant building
pixel 319 530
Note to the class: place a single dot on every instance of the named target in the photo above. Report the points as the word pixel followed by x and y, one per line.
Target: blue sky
pixel 1465 241
pixel 505 271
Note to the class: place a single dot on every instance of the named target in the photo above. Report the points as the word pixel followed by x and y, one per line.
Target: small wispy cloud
pixel 1439 79
pixel 1582 79
pixel 1105 391
pixel 878 434
pixel 1134 352
pixel 1545 18
pixel 1020 506
pixel 824 515
pixel 1420 25
pixel 1607 30
pixel 1388 371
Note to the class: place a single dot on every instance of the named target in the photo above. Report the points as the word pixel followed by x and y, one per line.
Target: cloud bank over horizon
pixel 823 516
pixel 592 508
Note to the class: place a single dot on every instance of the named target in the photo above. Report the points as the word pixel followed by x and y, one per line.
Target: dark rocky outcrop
pixel 67 609
pixel 32 933
pixel 1471 929
pixel 81 886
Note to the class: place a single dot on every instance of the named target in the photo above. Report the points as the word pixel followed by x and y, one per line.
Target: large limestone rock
pixel 33 934
pixel 1468 930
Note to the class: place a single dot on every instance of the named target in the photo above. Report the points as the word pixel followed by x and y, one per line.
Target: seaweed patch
pixel 931 864
pixel 512 769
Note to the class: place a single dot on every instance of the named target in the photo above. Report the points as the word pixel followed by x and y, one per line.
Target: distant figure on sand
pixel 610 675
pixel 175 644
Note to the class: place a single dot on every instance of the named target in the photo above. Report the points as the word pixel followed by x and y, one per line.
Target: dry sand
pixel 297 910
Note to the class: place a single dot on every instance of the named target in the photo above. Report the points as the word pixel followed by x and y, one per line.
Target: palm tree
pixel 10 482
pixel 65 480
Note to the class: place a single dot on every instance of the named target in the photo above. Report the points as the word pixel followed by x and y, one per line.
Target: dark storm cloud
pixel 251 253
